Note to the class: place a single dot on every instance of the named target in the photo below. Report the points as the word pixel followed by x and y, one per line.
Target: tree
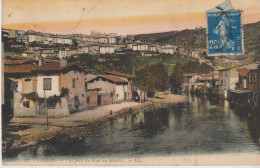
pixel 176 78
pixel 152 78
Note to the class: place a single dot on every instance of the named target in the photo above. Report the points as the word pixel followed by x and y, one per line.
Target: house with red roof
pixel 242 78
pixel 112 88
pixel 127 77
pixel 229 77
pixel 46 78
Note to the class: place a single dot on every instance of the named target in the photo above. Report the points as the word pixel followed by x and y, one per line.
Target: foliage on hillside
pixel 126 63
pixel 196 38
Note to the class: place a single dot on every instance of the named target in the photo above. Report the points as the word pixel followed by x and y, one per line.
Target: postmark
pixel 225 33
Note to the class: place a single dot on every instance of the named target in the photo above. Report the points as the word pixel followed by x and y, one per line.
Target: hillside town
pixel 36 67
pixel 75 95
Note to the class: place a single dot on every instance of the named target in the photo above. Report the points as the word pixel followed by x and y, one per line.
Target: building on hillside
pixel 83 50
pixel 129 46
pixel 62 53
pixel 134 47
pixel 93 48
pixel 152 48
pixel 112 39
pixel 120 47
pixel 31 38
pixel 47 52
pixel 71 51
pixel 167 49
pixel 142 47
pixel 229 77
pixel 105 49
pixel 102 39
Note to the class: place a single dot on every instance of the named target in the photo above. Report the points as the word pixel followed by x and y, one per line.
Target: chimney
pixel 63 62
pixel 41 62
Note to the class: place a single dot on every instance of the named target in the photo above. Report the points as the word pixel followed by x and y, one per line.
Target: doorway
pixel 99 100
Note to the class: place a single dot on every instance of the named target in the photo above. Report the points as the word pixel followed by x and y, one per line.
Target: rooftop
pixel 243 72
pixel 29 68
pixel 120 74
pixel 190 74
pixel 114 79
pixel 237 66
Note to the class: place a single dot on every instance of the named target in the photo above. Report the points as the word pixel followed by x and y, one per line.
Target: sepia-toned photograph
pixel 130 82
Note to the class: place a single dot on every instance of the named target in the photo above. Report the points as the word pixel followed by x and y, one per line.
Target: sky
pixel 115 16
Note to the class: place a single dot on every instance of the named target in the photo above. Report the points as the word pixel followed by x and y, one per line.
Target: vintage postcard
pixel 130 82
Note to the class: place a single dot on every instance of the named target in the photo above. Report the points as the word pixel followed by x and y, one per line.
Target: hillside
pixel 196 38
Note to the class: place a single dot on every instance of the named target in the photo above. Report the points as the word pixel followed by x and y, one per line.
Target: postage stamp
pixel 225 33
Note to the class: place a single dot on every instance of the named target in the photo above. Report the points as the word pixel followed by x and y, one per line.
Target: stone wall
pixel 91 98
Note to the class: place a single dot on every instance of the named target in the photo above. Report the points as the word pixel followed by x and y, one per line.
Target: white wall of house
pixel 55 87
pixel 112 40
pixel 134 47
pixel 68 41
pixel 31 38
pixel 120 90
pixel 130 46
pixel 233 82
pixel 153 48
pixel 62 54
pixel 83 50
pixel 142 47
pixel 102 40
pixel 106 50
pixel 106 86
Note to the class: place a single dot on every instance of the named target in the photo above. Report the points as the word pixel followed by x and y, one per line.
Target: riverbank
pixel 29 131
pixel 165 97
pixel 36 128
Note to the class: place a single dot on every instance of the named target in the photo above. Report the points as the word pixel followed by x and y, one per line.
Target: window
pixel 222 82
pixel 51 105
pixel 26 104
pixel 88 100
pixel 86 85
pixel 226 72
pixel 73 83
pixel 46 83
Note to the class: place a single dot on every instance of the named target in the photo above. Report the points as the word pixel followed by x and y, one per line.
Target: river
pixel 198 126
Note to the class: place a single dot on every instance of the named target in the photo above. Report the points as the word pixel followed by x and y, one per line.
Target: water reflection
pixel 198 126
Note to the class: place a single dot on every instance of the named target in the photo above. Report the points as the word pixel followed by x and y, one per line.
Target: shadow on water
pixel 201 125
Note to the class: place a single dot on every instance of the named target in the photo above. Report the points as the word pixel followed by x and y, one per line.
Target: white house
pixel 129 46
pixel 142 47
pixel 106 50
pixel 168 49
pixel 68 41
pixel 229 77
pixel 62 53
pixel 31 38
pixel 115 87
pixel 134 47
pixel 102 39
pixel 83 49
pixel 152 48
pixel 112 40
